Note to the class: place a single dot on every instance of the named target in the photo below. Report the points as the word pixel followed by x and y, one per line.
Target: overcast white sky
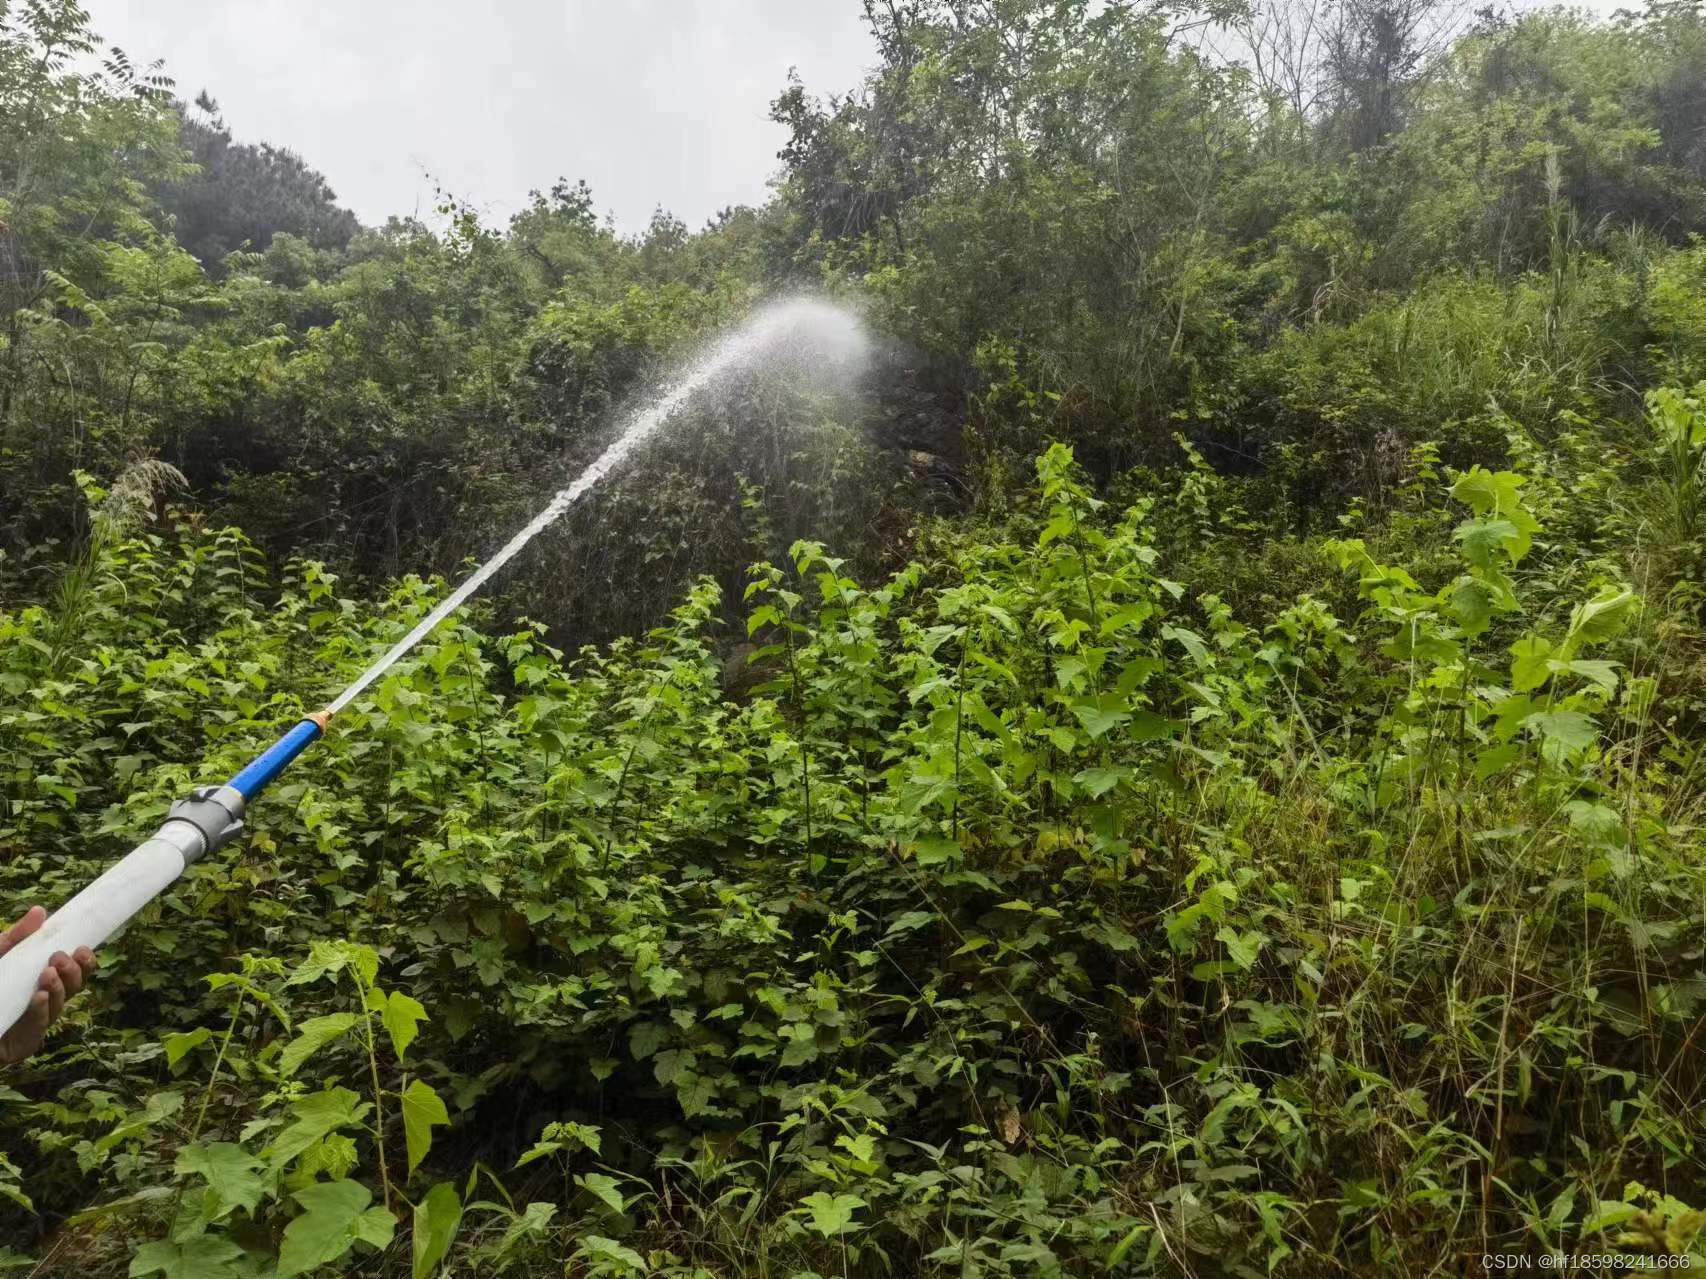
pixel 651 101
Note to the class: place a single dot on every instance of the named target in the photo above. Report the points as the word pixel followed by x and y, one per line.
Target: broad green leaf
pixel 1601 674
pixel 1101 715
pixel 159 1106
pixel 336 1215
pixel 1487 493
pixel 1147 726
pixel 1510 713
pixel 1058 527
pixel 605 1187
pixel 1491 494
pixel 228 1169
pixel 178 1045
pixel 1472 603
pixel 1599 619
pixel 800 1042
pixel 1598 824
pixel 1566 731
pixel 672 1062
pixel 1132 615
pixel 423 1110
pixel 1192 643
pixel 695 1093
pixel 538 1150
pixel 332 1157
pixel 1529 666
pixel 313 1035
pixel 1607 1213
pixel 1099 781
pixel 534 1220
pixel 1241 948
pixel 203 1257
pixel 763 615
pixel 609 1250
pixel 403 1016
pixel 583 1136
pixel 645 1038
pixel 316 1115
pixel 910 921
pixel 1485 539
pixel 832 1214
pixel 1495 759
pixel 437 1218
pixel 933 850
pixel 564 1136
pixel 328 958
pixel 863 1148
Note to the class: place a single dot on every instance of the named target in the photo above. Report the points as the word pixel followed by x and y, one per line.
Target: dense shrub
pixel 1026 907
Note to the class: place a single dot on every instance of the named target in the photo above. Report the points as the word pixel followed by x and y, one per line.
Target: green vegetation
pixel 1245 820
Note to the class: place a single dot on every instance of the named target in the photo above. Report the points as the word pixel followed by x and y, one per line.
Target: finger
pixel 55 992
pixel 33 919
pixel 70 975
pixel 37 1017
pixel 86 959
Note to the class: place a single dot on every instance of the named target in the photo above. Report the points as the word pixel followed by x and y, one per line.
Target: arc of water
pixel 212 816
pixel 725 355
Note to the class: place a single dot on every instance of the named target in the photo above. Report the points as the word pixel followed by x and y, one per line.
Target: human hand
pixel 62 978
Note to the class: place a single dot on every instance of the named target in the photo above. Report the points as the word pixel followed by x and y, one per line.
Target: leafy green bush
pixel 1028 911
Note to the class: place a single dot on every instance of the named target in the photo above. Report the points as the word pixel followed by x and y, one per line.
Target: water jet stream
pixel 212 816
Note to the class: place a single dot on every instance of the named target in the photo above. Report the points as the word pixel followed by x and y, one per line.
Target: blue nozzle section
pixel 260 771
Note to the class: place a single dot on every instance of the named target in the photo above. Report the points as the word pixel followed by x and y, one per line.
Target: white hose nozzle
pixel 196 825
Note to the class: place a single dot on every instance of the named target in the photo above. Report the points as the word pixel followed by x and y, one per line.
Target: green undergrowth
pixel 1034 911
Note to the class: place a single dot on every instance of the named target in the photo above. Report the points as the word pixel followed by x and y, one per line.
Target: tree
pixel 1377 53
pixel 78 151
pixel 240 196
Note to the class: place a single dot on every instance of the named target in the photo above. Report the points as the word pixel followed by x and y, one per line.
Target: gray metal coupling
pixel 215 812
